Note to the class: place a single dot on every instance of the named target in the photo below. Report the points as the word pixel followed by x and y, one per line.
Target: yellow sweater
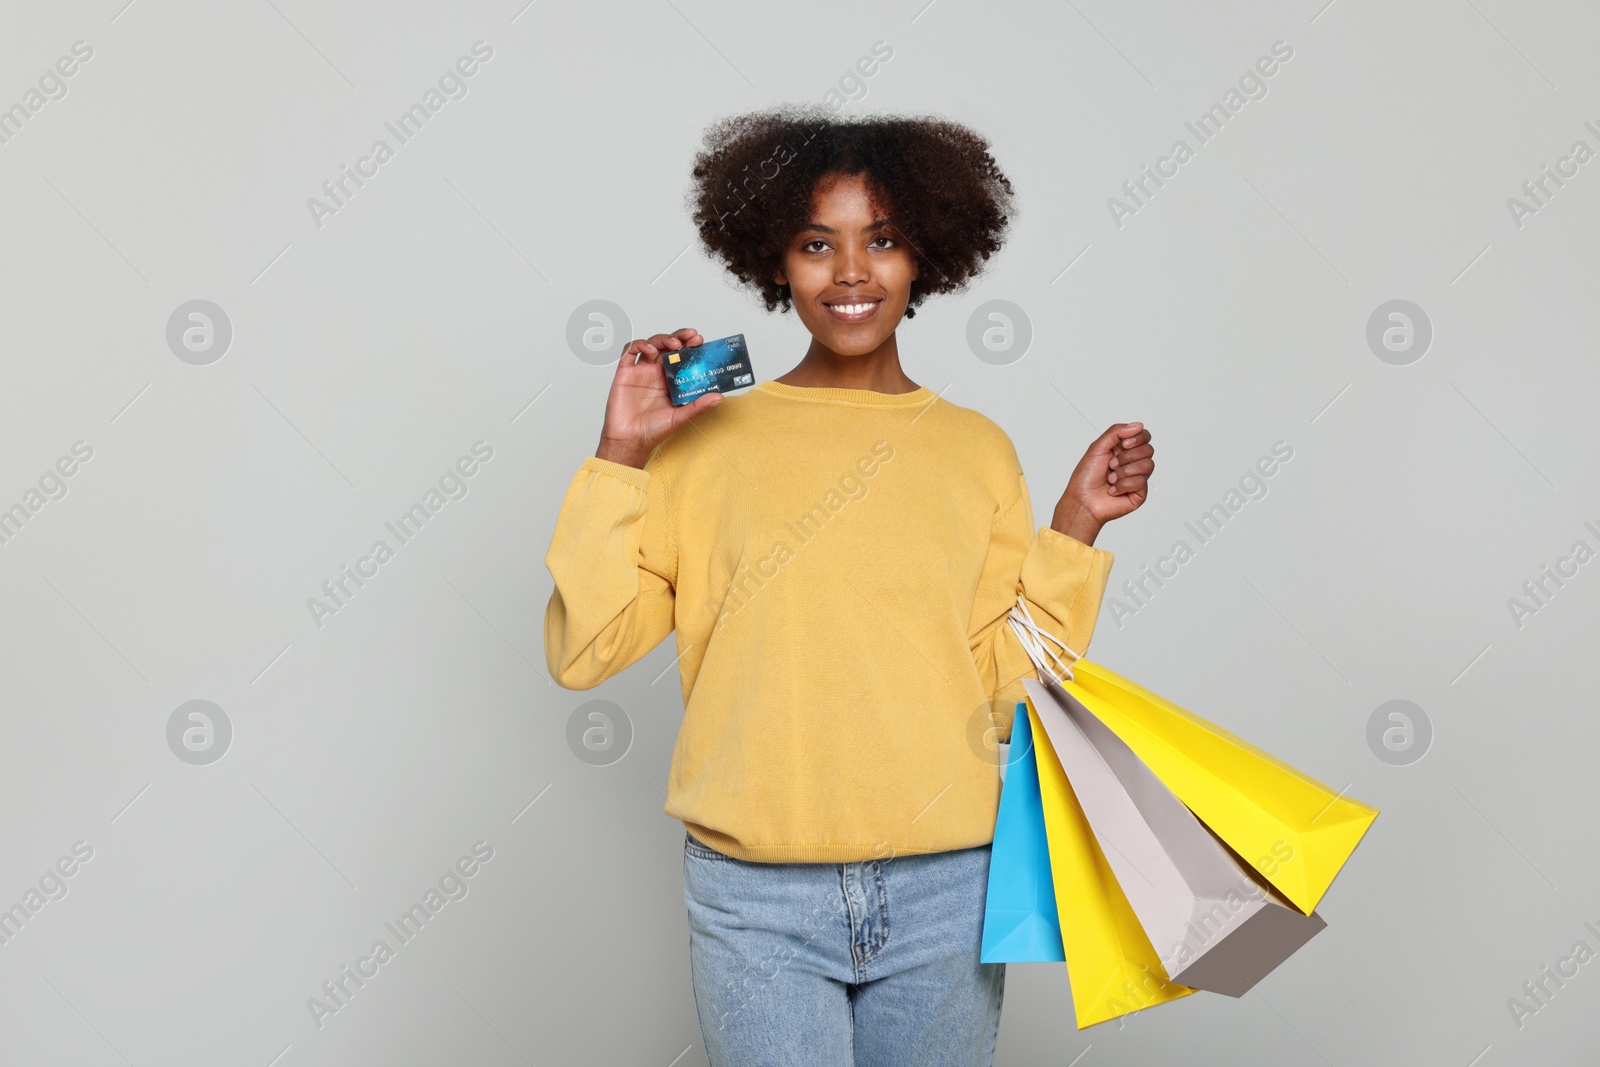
pixel 838 565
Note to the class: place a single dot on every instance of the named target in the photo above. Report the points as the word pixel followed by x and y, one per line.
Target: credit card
pixel 709 367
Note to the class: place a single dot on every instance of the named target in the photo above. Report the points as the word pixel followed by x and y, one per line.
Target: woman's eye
pixel 888 242
pixel 810 246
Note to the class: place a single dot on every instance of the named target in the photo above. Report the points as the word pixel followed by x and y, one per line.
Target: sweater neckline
pixel 829 395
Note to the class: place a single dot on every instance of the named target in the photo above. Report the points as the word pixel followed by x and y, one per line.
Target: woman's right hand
pixel 638 414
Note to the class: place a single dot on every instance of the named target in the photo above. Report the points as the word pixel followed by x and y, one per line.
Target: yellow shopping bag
pixel 1111 965
pixel 1294 830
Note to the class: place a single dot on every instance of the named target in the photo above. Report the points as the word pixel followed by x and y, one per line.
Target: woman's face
pixel 849 274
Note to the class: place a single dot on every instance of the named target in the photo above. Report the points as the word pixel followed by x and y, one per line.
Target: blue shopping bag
pixel 1020 924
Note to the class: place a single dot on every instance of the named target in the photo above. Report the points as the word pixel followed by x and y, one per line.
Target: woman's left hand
pixel 1111 480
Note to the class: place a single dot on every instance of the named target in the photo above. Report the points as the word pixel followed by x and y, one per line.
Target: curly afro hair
pixel 755 175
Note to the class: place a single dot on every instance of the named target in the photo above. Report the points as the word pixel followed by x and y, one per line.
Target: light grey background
pixel 371 352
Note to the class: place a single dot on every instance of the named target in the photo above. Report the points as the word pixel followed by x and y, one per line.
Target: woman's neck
pixel 877 371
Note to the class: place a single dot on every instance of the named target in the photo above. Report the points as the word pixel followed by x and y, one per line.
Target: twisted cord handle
pixel 1034 640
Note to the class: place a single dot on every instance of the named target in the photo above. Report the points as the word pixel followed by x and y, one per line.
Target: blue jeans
pixel 868 964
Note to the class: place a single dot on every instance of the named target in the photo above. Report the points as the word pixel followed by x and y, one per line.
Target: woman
pixel 837 551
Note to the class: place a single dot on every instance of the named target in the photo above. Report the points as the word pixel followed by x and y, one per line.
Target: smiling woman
pixel 952 203
pixel 830 658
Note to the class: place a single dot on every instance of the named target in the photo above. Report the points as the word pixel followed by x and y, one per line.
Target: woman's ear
pixel 779 278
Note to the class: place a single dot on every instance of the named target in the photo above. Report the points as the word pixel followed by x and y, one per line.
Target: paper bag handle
pixel 1033 638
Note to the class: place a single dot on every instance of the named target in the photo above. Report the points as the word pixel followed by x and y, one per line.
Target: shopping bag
pixel 1111 965
pixel 1020 924
pixel 1212 924
pixel 1297 832
pixel 1294 830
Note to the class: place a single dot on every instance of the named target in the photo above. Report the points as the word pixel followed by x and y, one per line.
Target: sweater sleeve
pixel 1063 581
pixel 614 566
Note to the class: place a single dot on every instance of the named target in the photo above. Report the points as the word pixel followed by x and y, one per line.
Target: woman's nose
pixel 852 266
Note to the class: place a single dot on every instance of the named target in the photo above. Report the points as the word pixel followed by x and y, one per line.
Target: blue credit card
pixel 709 367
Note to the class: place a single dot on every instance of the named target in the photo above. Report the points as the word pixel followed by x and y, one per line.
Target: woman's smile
pixel 853 309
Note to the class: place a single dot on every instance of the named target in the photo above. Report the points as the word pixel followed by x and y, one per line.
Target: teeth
pixel 853 309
